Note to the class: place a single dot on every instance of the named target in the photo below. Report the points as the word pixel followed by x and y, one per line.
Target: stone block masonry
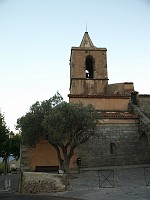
pixel 35 182
pixel 114 144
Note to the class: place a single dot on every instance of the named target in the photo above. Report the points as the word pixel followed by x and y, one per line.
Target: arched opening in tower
pixel 89 67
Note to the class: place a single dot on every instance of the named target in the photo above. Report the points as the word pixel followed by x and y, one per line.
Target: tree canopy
pixel 64 125
pixel 8 146
pixel 30 125
pixel 3 136
pixel 3 128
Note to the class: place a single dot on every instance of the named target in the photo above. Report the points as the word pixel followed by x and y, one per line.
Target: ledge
pixel 144 95
pixel 118 115
pixel 101 96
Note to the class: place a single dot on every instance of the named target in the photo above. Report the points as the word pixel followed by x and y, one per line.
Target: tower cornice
pixel 88 49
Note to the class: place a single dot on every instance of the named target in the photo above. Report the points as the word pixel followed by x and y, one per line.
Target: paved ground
pixel 127 184
pixel 14 182
pixel 130 184
pixel 13 196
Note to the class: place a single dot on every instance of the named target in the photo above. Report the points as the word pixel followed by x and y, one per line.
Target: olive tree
pixel 67 126
pixel 64 125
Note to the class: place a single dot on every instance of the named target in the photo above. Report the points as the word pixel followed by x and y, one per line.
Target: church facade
pixel 119 138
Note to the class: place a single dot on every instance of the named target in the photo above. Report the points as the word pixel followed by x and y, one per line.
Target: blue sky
pixel 36 37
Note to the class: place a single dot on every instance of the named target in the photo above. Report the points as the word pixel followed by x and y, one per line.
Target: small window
pixel 144 141
pixel 113 149
pixel 89 67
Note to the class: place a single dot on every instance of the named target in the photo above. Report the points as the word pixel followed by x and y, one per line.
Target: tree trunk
pixel 67 157
pixel 60 160
pixel 66 165
pixel 65 161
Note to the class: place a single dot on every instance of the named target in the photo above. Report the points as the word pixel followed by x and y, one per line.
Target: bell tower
pixel 88 69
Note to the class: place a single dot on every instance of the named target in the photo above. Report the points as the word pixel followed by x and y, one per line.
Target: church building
pixel 117 140
pixel 120 137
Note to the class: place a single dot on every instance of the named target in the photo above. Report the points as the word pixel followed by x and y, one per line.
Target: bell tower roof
pixel 86 41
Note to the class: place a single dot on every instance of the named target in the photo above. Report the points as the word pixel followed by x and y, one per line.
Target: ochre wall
pixel 144 102
pixel 44 154
pixel 108 104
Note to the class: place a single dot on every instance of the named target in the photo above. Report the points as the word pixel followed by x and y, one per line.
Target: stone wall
pixel 35 182
pixel 120 88
pixel 114 144
pixel 116 88
pixel 24 158
pixel 144 102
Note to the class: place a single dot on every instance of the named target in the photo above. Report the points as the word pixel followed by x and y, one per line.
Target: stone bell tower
pixel 88 69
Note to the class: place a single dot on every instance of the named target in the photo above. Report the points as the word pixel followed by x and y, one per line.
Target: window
pixel 89 67
pixel 144 141
pixel 113 149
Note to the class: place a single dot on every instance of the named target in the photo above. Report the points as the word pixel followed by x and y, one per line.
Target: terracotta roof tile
pixel 131 91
